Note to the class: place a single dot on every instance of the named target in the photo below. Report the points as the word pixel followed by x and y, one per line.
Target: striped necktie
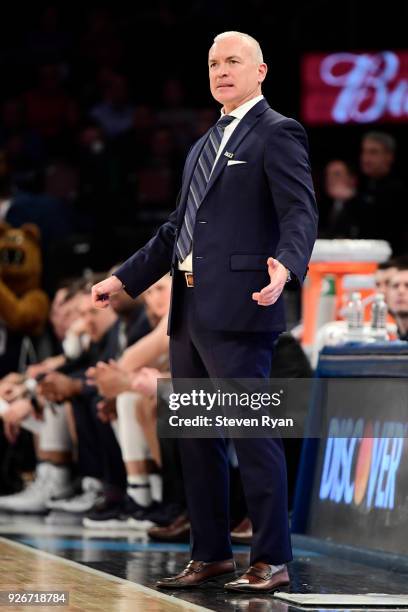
pixel 198 185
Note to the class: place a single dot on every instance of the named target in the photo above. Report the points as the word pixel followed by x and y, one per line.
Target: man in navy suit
pixel 245 224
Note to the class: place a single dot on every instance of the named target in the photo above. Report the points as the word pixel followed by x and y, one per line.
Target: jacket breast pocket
pixel 242 261
pixel 237 163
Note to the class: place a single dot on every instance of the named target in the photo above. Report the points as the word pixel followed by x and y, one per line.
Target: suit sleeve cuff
pixel 298 275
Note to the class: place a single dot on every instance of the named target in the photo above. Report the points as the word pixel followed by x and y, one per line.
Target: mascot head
pixel 20 257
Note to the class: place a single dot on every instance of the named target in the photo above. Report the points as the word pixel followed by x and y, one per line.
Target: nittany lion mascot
pixel 23 304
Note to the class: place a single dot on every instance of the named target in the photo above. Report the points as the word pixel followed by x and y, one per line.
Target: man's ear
pixel 262 72
pixel 32 231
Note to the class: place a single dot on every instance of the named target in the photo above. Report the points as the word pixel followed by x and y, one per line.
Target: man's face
pixel 383 279
pixel 398 293
pixel 339 181
pixel 337 172
pixel 235 74
pixel 97 320
pixel 56 312
pixel 68 313
pixel 157 297
pixel 375 159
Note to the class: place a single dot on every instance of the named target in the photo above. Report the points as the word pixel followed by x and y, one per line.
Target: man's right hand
pixel 101 291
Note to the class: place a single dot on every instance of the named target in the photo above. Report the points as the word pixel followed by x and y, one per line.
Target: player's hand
pixel 109 379
pixel 145 381
pixel 10 391
pixel 57 387
pixel 101 291
pixel 18 411
pixel 278 275
pixel 106 410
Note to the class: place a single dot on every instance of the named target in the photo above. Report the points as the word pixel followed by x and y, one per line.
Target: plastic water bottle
pixel 354 314
pixel 379 318
pixel 327 304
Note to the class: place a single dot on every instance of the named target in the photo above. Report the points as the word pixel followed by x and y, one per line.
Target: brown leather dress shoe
pixel 177 531
pixel 260 578
pixel 242 534
pixel 197 573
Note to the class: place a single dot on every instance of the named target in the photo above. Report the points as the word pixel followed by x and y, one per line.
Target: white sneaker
pixel 50 481
pixel 92 490
pixel 114 524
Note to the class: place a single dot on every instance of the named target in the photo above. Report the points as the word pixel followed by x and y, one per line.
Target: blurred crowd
pixel 91 405
pixel 94 160
pixel 84 418
pixel 84 151
pixel 93 139
pixel 368 202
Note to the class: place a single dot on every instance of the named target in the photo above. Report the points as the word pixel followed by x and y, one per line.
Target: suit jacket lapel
pixel 242 129
pixel 244 126
pixel 192 162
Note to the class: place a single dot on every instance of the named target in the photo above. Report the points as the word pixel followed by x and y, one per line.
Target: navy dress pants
pixel 199 353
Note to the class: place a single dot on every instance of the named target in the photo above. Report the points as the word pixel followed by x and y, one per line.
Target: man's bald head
pixel 246 38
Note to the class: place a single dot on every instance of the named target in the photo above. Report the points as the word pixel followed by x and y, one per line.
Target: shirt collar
pixel 242 110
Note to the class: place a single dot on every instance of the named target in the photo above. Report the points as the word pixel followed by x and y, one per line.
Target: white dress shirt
pixel 238 113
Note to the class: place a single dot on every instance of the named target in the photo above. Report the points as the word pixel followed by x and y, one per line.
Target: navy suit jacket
pixel 265 207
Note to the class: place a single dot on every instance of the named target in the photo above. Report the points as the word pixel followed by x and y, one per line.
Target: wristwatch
pixel 289 276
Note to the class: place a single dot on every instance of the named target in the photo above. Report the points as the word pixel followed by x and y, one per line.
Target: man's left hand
pixel 278 275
